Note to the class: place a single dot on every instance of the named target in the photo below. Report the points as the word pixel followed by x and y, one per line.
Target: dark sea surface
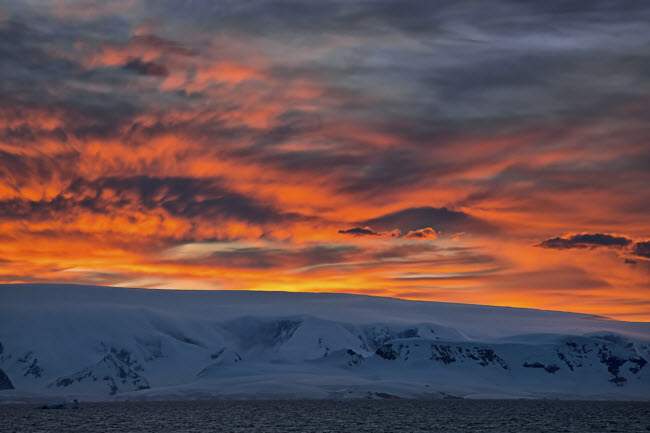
pixel 329 416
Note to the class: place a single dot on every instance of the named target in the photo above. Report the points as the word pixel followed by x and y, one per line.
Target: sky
pixel 459 151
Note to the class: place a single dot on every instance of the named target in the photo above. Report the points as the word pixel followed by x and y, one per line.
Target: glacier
pixel 108 343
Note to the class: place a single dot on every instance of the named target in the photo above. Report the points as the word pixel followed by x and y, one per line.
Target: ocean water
pixel 329 416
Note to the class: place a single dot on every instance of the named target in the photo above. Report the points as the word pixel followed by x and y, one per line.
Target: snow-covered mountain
pixel 99 343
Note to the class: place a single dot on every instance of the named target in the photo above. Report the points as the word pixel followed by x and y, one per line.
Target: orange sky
pixel 332 149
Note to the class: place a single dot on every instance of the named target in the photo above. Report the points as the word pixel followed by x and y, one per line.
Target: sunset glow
pixel 329 147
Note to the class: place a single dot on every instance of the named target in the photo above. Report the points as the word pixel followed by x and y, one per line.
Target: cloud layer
pixel 401 148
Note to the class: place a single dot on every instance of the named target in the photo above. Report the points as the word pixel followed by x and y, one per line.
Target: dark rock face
pixel 613 363
pixel 551 368
pixel 444 353
pixel 5 383
pixel 640 363
pixel 217 354
pixel 564 359
pixel 386 351
pixel 481 356
pixel 125 357
pixel 118 369
pixel 614 352
pixel 375 336
pixel 4 356
pixel 222 357
pixel 354 358
pixel 32 368
pixel 619 359
pixel 487 357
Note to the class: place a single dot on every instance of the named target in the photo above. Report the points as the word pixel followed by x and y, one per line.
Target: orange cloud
pixel 228 161
pixel 420 234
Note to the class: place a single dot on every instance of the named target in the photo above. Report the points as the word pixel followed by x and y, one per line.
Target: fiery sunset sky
pixel 478 152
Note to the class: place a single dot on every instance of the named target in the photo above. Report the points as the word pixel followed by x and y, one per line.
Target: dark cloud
pixel 21 209
pixel 352 163
pixel 389 169
pixel 18 170
pixel 27 67
pixel 288 125
pixel 359 231
pixel 642 249
pixel 464 71
pixel 29 133
pixel 184 197
pixel 586 241
pixel 163 44
pixel 45 71
pixel 146 68
pixel 33 69
pixel 442 220
pixel 627 246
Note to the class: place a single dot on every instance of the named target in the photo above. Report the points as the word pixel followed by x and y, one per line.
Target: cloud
pixel 426 233
pixel 281 256
pixel 145 124
pixel 180 196
pixel 441 220
pixel 586 241
pixel 630 249
pixel 359 231
pixel 642 249
pixel 181 208
pixel 146 68
pixel 158 43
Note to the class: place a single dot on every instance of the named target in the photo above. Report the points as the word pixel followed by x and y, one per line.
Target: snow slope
pixel 100 343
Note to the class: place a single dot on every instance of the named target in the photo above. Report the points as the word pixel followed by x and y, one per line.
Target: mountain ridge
pixel 100 343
